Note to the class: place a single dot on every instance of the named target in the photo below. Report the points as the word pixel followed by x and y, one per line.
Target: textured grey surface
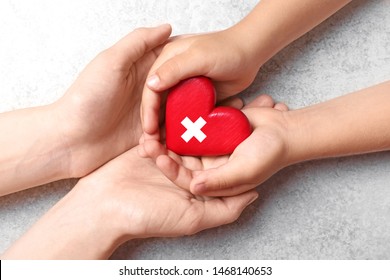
pixel 329 209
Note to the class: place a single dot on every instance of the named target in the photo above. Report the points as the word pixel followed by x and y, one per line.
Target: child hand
pixel 257 158
pixel 220 56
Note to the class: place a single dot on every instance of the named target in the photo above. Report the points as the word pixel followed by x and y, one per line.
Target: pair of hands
pixel 232 58
pixel 100 113
pixel 123 195
pixel 230 64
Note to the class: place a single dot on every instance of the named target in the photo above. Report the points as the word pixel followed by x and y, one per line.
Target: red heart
pixel 191 116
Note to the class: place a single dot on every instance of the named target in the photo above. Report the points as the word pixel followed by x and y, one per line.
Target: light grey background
pixel 329 209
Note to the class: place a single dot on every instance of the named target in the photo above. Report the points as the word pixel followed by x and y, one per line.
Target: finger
pixel 152 131
pixel 188 35
pixel 141 149
pixel 154 149
pixel 229 191
pixel 168 74
pixel 157 50
pixel 262 100
pixel 281 107
pixel 150 111
pixel 234 102
pixel 134 45
pixel 151 114
pixel 174 171
pixel 175 69
pixel 226 176
pixel 223 211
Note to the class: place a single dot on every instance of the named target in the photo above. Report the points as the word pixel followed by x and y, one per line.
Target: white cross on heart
pixel 193 129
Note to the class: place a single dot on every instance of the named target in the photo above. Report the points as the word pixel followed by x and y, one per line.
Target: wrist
pixel 34 152
pixel 59 140
pixel 242 34
pixel 321 131
pixel 297 137
pixel 258 39
pixel 110 216
pixel 101 230
pixel 77 227
pixel 352 124
pixel 74 137
pixel 272 25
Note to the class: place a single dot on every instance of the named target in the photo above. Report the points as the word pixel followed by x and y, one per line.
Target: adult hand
pixel 96 120
pixel 126 198
pixel 100 111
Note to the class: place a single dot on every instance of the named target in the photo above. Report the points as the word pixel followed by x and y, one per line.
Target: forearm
pixel 273 24
pixel 32 149
pixel 75 228
pixel 352 124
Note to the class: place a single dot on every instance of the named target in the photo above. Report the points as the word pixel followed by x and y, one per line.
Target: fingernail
pixel 153 81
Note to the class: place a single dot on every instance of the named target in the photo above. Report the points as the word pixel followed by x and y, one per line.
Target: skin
pixel 222 56
pixel 264 142
pixel 352 124
pixel 338 127
pixel 83 221
pixel 122 196
pixel 96 120
pixel 127 198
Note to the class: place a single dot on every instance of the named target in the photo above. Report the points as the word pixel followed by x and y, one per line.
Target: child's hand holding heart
pixel 258 157
pixel 221 56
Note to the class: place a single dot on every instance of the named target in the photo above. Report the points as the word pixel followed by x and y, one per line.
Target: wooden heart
pixel 194 126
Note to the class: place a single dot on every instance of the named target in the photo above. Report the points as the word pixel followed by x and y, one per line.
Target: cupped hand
pixel 126 198
pixel 144 203
pixel 99 114
pixel 220 56
pixel 257 158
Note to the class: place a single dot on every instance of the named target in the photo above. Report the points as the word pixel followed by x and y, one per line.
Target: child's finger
pixel 262 100
pixel 222 211
pixel 227 176
pixel 184 65
pixel 234 102
pixel 281 107
pixel 229 191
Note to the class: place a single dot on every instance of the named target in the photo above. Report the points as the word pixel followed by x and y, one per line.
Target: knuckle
pixel 169 69
pixel 222 182
pixel 174 65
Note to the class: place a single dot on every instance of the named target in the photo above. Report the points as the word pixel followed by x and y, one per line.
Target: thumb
pixel 141 40
pixel 235 176
pixel 177 68
pixel 221 211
